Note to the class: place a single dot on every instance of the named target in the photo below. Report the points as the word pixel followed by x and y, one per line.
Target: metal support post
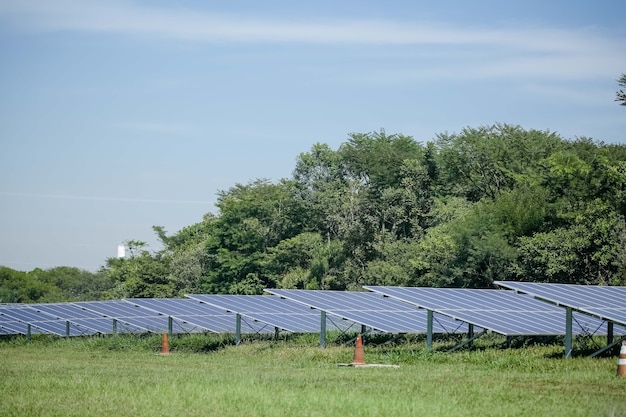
pixel 323 329
pixel 170 326
pixel 609 332
pixel 429 330
pixel 568 332
pixel 238 330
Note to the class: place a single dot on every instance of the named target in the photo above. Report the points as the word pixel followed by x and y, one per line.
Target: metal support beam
pixel 323 329
pixel 114 326
pixel 470 334
pixel 509 341
pixel 607 347
pixel 238 330
pixel 468 341
pixel 568 332
pixel 170 326
pixel 429 329
pixel 28 333
pixel 67 328
pixel 609 332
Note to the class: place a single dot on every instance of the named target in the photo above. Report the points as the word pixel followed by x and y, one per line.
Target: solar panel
pixel 42 322
pixel 128 314
pixel 83 317
pixel 194 315
pixel 371 310
pixel 9 325
pixel 13 327
pixel 273 311
pixel 501 311
pixel 605 302
pixel 65 310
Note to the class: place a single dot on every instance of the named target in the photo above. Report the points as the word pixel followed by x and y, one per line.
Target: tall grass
pixel 124 376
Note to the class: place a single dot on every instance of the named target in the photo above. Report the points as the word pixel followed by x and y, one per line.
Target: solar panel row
pixel 371 310
pixel 383 309
pixel 501 311
pixel 608 303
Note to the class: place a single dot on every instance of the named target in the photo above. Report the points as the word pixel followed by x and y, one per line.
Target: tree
pixel 588 250
pixel 376 158
pixel 491 203
pixel 620 95
pixel 140 275
pixel 481 163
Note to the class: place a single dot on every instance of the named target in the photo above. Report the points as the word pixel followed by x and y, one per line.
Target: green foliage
pixel 588 250
pixel 479 163
pixel 489 203
pixel 140 275
pixel 51 285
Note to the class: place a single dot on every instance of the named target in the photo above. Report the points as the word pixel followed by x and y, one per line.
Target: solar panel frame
pixel 382 314
pixel 604 302
pixel 128 313
pixel 110 325
pixel 16 327
pixel 43 322
pixel 500 311
pixel 196 317
pixel 281 314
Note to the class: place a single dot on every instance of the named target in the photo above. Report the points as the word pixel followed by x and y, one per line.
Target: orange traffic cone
pixel 621 362
pixel 359 358
pixel 165 348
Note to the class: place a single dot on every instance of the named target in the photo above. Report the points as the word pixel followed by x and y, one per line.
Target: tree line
pixel 463 210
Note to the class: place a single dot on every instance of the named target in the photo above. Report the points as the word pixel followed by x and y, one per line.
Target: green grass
pixel 124 376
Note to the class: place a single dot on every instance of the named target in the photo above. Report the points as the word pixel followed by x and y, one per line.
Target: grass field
pixel 124 376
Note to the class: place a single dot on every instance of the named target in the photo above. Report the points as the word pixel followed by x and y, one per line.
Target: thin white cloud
pixel 500 52
pixel 177 23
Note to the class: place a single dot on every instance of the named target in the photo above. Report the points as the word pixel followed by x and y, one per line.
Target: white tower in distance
pixel 121 251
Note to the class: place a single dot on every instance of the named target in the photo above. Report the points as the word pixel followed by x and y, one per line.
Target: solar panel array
pixel 501 311
pixel 20 318
pixel 283 314
pixel 371 310
pixel 606 302
pixel 118 316
pixel 383 309
pixel 196 316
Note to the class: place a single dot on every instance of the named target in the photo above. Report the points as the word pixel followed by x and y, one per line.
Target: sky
pixel 116 116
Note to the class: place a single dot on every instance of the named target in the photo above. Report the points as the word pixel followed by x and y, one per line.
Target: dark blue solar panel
pixel 273 311
pixel 66 311
pixel 197 317
pixel 129 314
pixel 606 302
pixel 501 311
pixel 25 314
pixel 372 310
pixel 16 327
pixel 109 325
pixel 43 322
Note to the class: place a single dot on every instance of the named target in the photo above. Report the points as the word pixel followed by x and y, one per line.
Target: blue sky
pixel 119 115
